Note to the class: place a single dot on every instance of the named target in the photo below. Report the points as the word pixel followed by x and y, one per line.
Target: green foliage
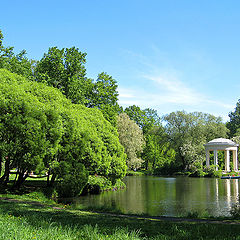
pixel 236 139
pixel 42 130
pixel 29 129
pixel 193 155
pixel 211 172
pixel 64 69
pixel 15 63
pixel 97 184
pixel 119 184
pixel 169 168
pixel 198 173
pixel 234 124
pixel 92 140
pixel 72 182
pixel 158 153
pixel 187 132
pixel 104 96
pixel 146 119
pixel 135 173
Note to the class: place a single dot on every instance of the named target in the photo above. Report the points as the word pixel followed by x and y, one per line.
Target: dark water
pixel 169 196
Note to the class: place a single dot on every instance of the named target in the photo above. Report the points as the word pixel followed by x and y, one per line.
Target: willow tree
pixel 41 130
pixel 131 137
pixel 29 128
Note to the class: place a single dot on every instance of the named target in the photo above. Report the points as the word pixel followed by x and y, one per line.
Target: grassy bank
pixel 31 220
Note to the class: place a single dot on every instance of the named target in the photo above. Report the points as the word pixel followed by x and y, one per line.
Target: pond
pixel 169 196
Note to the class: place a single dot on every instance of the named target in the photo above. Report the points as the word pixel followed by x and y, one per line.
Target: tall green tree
pixel 136 114
pixel 29 129
pixel 234 123
pixel 104 96
pixel 157 152
pixel 145 118
pixel 15 63
pixel 64 69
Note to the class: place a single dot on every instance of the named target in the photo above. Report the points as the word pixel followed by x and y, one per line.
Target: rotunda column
pixel 235 164
pixel 216 159
pixel 227 161
pixel 207 158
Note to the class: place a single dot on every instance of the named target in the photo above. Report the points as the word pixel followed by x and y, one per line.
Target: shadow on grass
pixel 44 217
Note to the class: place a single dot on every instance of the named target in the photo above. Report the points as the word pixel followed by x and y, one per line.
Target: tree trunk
pixel 53 180
pixel 5 178
pixel 182 159
pixel 146 162
pixel 154 160
pixel 21 178
pixel 0 164
pixel 48 178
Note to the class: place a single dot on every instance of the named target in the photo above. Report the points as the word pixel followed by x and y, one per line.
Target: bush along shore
pixel 207 172
pixel 97 184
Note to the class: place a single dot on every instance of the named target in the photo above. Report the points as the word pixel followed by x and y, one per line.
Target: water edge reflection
pixel 169 196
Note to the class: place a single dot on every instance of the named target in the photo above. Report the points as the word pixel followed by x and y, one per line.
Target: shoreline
pixel 30 217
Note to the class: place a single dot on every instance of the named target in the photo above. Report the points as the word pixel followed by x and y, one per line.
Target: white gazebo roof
pixel 221 142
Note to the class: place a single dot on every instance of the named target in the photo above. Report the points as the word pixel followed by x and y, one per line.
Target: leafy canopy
pixel 15 63
pixel 187 133
pixel 40 129
pixel 64 69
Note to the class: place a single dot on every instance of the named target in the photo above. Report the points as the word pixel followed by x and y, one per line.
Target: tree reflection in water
pixel 169 196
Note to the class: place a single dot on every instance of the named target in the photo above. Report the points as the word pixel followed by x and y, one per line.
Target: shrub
pixel 135 173
pixel 119 185
pixel 197 173
pixel 50 192
pixel 166 169
pixel 73 182
pixel 211 172
pixel 97 184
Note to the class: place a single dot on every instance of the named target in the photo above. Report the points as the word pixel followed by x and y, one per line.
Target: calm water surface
pixel 169 196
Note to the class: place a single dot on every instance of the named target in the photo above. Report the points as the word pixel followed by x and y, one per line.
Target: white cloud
pixel 171 94
pixel 166 89
pixel 175 91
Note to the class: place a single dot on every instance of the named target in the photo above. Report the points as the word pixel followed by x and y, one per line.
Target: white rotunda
pixel 226 145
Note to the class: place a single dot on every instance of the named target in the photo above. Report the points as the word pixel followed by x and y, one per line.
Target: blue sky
pixel 166 55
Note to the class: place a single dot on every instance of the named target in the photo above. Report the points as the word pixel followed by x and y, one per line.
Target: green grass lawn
pixel 25 220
